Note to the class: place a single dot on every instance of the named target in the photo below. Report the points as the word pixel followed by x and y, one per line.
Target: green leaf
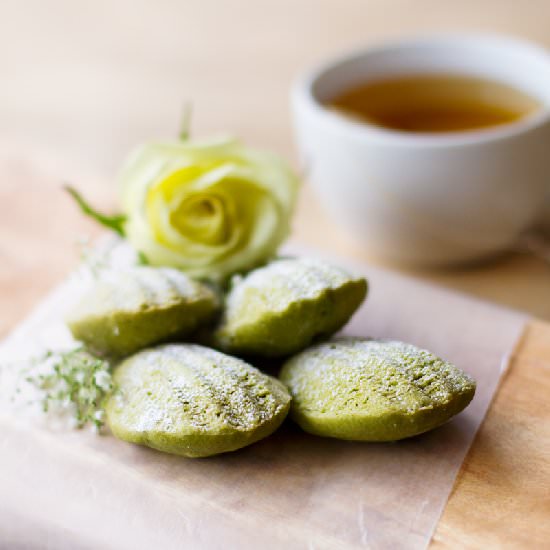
pixel 185 125
pixel 114 223
pixel 142 258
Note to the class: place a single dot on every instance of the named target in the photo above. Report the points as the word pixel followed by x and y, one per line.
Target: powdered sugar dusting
pixel 350 373
pixel 284 281
pixel 188 388
pixel 137 287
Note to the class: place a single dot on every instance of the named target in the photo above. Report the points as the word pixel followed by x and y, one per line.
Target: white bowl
pixel 429 198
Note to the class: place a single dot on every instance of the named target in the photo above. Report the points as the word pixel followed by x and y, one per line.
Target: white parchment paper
pixel 72 489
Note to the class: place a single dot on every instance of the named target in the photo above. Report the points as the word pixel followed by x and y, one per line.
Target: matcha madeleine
pixel 129 309
pixel 372 390
pixel 193 401
pixel 280 308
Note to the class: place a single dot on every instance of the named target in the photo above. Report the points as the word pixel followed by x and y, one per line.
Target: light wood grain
pixel 502 496
pixel 87 81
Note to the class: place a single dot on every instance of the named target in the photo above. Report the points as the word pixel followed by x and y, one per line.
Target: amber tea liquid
pixel 435 103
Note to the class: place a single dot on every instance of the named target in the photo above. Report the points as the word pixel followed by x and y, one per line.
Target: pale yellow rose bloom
pixel 208 208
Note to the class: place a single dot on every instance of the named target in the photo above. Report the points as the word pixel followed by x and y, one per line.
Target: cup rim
pixel 302 94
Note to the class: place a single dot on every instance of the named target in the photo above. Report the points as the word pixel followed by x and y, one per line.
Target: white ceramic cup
pixel 429 198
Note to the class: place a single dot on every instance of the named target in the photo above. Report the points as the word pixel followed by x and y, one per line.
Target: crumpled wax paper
pixel 71 489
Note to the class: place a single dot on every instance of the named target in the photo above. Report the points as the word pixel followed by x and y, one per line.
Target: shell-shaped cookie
pixel 280 308
pixel 127 310
pixel 372 390
pixel 193 401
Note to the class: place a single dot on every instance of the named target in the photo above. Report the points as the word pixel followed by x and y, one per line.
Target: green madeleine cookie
pixel 371 390
pixel 193 401
pixel 129 309
pixel 280 308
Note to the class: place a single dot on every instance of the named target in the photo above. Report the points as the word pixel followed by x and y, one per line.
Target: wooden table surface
pixel 84 82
